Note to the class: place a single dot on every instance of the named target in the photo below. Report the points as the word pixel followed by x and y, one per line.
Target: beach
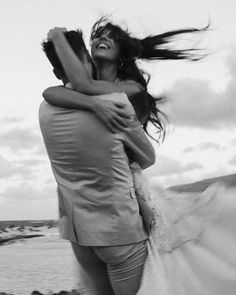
pixel 34 257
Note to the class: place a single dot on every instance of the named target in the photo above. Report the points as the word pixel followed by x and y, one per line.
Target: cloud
pixel 41 149
pixel 233 142
pixel 209 145
pixel 8 120
pixel 232 161
pixel 194 103
pixel 192 166
pixel 203 146
pixel 17 139
pixel 167 166
pixel 23 168
pixel 167 181
pixel 25 191
pixel 9 169
pixel 188 150
pixel 29 162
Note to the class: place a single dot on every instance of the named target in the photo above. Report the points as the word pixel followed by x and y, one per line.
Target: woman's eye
pixel 96 35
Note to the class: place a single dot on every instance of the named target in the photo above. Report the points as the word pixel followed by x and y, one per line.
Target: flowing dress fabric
pixel 192 245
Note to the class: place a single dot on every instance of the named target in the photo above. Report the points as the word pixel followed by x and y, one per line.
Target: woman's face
pixel 105 48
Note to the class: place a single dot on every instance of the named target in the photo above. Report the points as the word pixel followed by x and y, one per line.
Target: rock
pixel 35 292
pixel 3 230
pixel 74 292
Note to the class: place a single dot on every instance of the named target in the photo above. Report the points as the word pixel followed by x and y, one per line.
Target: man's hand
pixel 112 114
pixel 54 33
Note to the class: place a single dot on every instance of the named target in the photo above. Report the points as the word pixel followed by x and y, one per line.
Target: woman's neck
pixel 107 72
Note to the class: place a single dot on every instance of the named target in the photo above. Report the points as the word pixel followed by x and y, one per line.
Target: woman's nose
pixel 105 36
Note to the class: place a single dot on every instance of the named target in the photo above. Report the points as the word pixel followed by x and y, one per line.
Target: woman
pixel 115 54
pixel 185 253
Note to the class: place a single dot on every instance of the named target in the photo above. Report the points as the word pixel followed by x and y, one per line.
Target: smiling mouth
pixel 103 46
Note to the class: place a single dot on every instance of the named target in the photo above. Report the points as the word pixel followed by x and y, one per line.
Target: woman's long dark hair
pixel 149 48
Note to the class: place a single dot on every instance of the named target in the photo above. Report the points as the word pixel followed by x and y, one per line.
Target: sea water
pixel 44 263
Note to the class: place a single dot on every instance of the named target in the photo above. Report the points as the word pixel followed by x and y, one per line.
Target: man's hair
pixel 75 40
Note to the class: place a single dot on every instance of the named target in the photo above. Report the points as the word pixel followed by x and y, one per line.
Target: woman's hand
pixel 53 33
pixel 112 114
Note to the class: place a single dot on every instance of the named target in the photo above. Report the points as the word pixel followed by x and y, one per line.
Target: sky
pixel 200 140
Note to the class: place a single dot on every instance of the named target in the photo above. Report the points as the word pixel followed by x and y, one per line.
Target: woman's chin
pixel 103 57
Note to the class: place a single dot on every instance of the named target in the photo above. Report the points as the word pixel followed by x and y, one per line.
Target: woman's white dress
pixel 192 245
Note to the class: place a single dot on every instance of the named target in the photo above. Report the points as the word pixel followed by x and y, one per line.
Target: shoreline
pixel 13 231
pixel 4 241
pixel 36 292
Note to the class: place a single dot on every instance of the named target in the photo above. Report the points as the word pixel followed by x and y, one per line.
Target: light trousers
pixel 110 270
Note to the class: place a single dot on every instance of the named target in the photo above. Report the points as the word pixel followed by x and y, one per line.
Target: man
pixel 99 212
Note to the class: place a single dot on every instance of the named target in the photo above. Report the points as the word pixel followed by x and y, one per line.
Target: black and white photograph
pixel 118 147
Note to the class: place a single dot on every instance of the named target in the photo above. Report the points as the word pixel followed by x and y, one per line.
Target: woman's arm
pixel 141 148
pixel 78 75
pixel 111 113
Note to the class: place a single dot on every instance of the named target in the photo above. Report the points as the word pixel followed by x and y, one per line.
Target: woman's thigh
pixel 124 266
pixel 93 277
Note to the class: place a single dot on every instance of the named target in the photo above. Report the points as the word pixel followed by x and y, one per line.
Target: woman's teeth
pixel 103 46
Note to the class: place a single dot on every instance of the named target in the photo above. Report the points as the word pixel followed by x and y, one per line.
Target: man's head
pixel 75 40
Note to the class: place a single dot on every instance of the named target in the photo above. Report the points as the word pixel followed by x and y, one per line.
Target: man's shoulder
pixel 46 109
pixel 45 106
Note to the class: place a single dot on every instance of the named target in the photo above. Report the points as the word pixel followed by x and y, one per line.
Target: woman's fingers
pixel 120 110
pixel 110 127
pixel 119 105
pixel 114 115
pixel 121 121
pixel 53 32
pixel 117 126
pixel 123 114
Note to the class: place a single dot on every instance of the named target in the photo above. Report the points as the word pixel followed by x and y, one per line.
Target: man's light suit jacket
pixel 97 202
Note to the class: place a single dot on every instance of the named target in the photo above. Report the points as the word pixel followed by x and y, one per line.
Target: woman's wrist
pixel 93 105
pixel 58 38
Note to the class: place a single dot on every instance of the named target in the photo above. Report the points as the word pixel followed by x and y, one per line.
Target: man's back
pixel 73 145
pixel 95 187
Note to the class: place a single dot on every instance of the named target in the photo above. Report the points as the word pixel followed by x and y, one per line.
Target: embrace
pixel 95 129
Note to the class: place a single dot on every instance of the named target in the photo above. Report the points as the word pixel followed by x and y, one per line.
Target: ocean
pixel 44 264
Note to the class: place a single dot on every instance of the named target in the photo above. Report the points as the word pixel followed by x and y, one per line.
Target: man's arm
pixel 77 74
pixel 113 114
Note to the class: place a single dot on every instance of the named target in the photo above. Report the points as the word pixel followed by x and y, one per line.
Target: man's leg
pixel 93 273
pixel 124 266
